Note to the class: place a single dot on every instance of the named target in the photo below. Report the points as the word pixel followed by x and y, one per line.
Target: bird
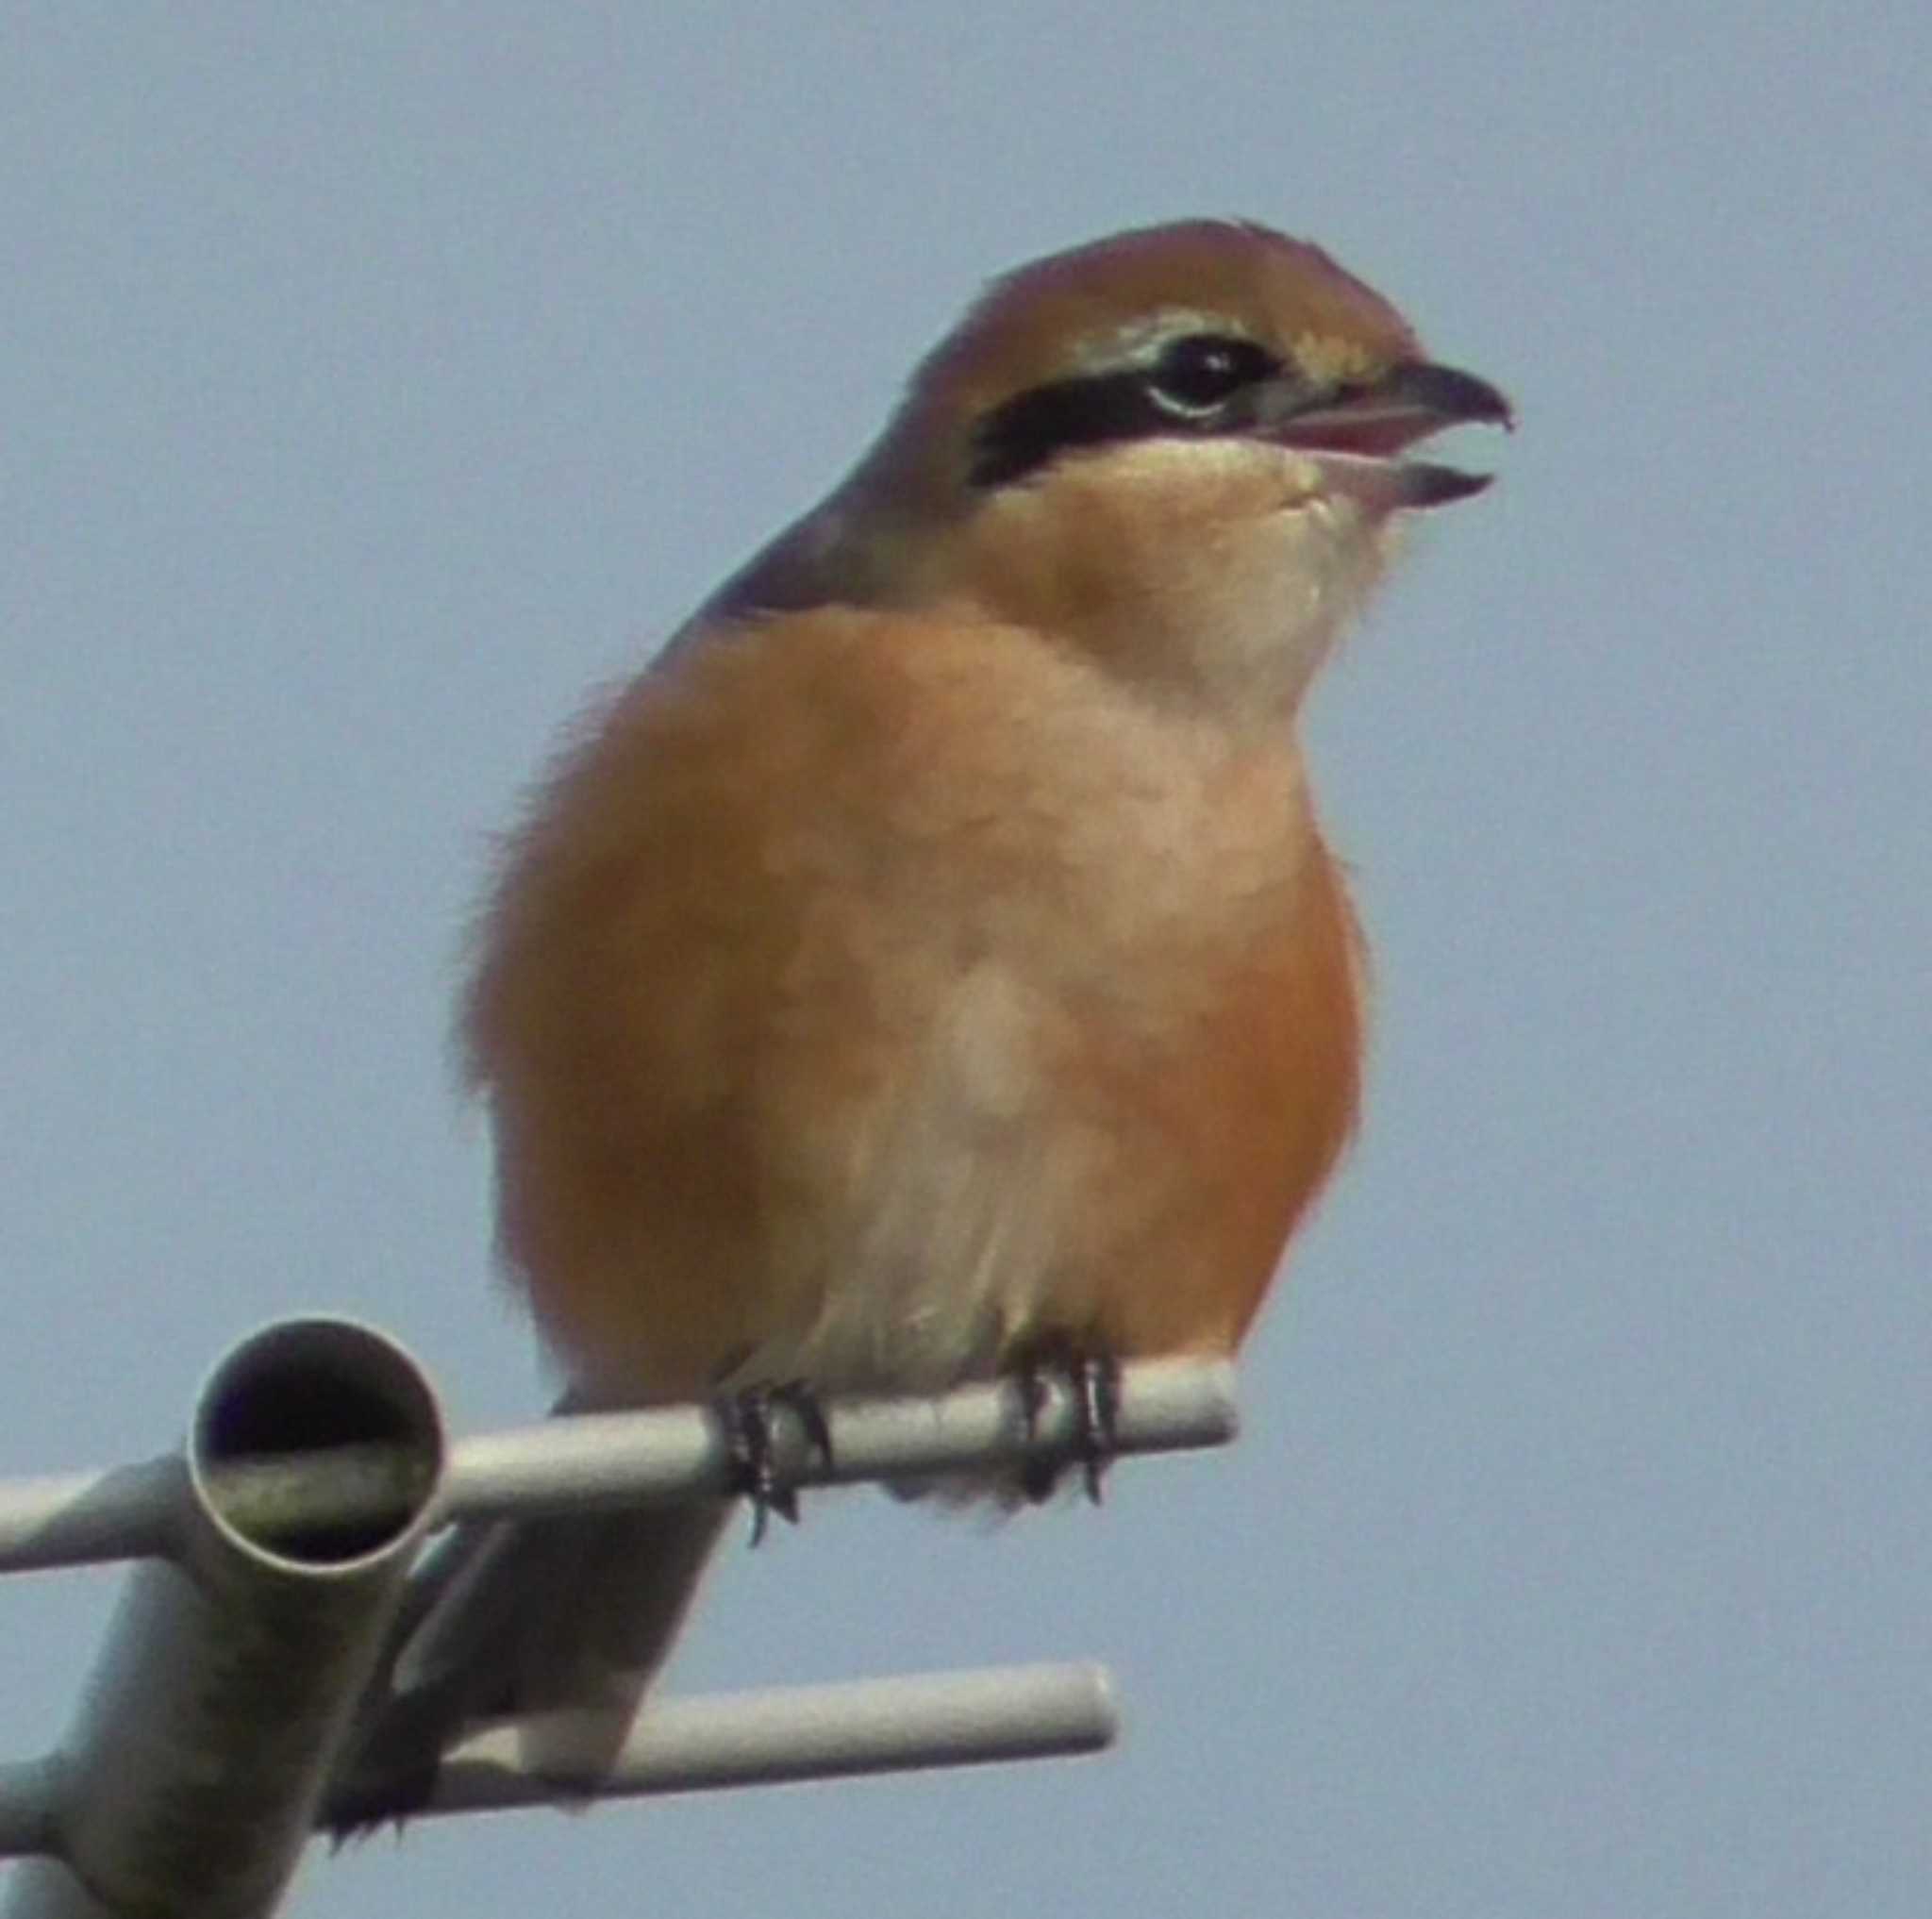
pixel 933 961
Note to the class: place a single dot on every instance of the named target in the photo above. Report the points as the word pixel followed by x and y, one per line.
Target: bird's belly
pixel 1117 1155
pixel 937 1205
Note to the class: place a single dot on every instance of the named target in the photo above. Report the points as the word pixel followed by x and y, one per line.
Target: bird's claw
pixel 1093 1378
pixel 752 1429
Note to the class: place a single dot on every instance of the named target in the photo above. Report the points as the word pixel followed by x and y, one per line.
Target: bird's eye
pixel 1197 384
pixel 1199 370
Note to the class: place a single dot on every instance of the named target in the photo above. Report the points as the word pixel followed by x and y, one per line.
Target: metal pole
pixel 765 1738
pixel 189 1783
pixel 604 1459
pixel 315 1465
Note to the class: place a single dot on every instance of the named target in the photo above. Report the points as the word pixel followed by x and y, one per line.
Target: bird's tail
pixel 509 1618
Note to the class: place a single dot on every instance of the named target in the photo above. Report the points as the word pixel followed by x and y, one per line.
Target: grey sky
pixel 378 379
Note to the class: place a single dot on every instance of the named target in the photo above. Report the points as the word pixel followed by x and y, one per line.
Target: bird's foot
pixel 751 1425
pixel 1092 1376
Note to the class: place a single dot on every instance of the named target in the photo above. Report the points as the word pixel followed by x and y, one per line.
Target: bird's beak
pixel 1357 435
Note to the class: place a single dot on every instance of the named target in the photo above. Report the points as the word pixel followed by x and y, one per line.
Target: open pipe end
pixel 317 1442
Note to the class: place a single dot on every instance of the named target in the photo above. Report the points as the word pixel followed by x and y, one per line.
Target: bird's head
pixel 1183 448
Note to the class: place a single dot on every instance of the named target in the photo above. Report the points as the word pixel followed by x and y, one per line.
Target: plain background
pixel 375 380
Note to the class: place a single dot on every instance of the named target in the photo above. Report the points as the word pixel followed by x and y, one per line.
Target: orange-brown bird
pixel 933 958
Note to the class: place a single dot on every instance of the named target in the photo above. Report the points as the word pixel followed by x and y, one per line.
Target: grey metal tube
pixel 999 1714
pixel 608 1459
pixel 189 1783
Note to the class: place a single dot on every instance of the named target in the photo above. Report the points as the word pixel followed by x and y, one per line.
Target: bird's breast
pixel 869 994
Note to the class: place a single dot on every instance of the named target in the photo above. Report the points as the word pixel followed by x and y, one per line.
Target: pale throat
pixel 1224 571
pixel 1246 623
